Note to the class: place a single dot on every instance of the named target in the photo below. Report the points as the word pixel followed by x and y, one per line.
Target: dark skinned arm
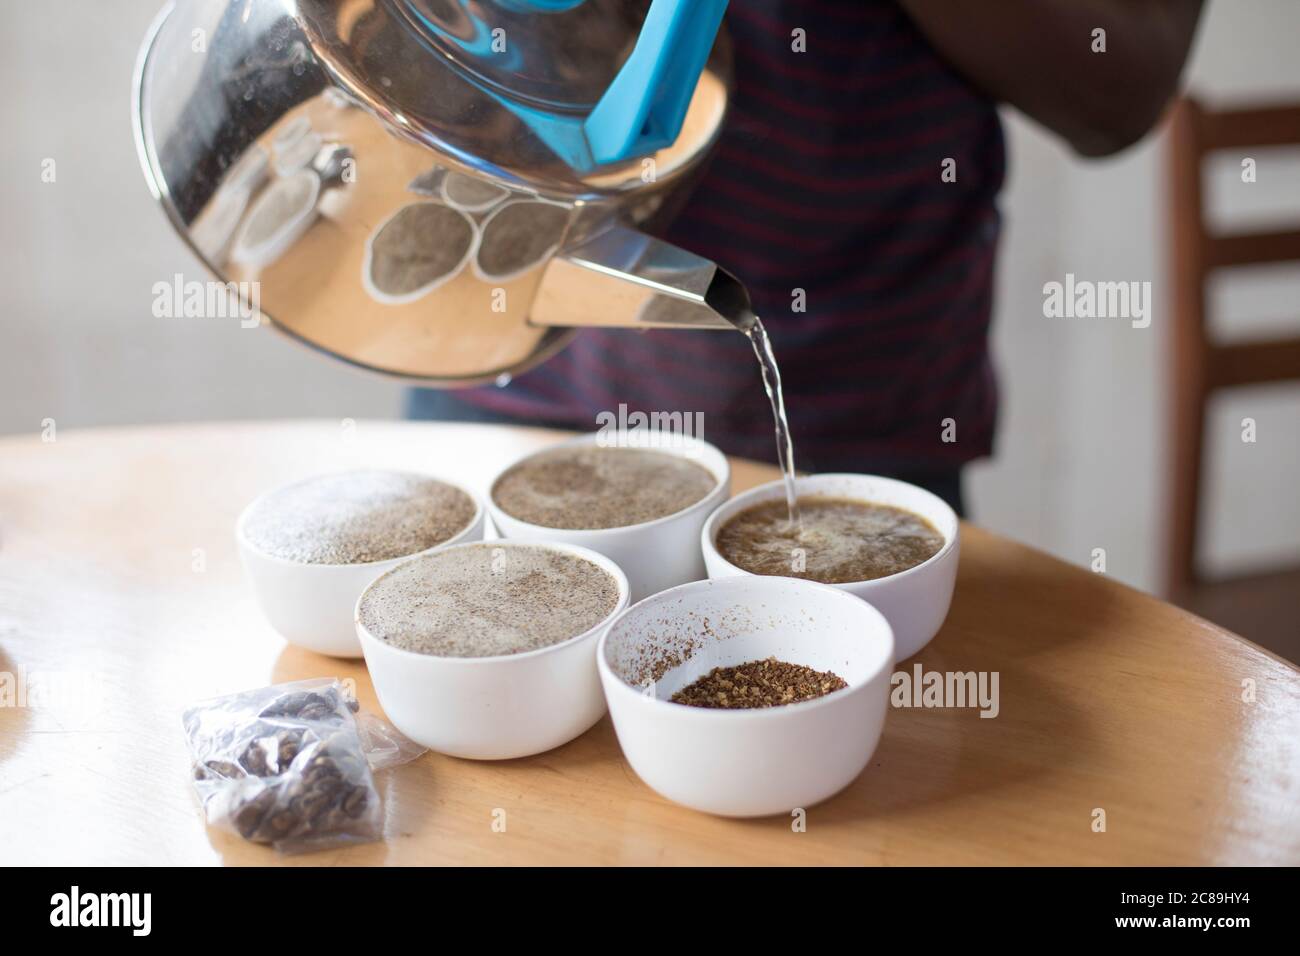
pixel 1037 56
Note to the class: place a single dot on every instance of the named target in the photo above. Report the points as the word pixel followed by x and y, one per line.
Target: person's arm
pixel 1038 56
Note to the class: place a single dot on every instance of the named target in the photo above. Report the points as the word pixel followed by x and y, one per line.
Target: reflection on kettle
pixel 441 191
pixel 419 248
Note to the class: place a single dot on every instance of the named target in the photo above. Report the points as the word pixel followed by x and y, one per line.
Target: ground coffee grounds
pixel 766 683
pixel 357 517
pixel 586 487
pixel 488 600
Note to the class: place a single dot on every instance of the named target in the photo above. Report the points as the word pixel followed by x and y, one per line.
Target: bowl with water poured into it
pixel 915 599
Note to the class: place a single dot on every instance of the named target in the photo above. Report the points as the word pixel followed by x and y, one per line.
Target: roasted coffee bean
pixel 355 802
pixel 287 706
pixel 218 769
pixel 283 822
pixel 326 772
pixel 248 816
pixel 304 705
pixel 253 759
pixel 310 805
pixel 316 710
pixel 323 791
pixel 290 742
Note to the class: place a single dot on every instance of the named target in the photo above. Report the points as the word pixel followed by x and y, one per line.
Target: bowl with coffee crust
pixel 310 547
pixel 487 650
pixel 636 497
pixel 886 541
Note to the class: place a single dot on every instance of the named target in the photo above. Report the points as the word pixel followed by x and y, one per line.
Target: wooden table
pixel 121 595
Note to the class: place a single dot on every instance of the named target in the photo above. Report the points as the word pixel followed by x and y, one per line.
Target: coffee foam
pixel 487 600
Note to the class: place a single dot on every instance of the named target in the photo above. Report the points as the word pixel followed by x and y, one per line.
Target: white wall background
pixel 78 259
pixel 1080 454
pixel 1080 460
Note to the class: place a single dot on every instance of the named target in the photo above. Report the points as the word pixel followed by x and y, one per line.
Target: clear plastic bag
pixel 290 765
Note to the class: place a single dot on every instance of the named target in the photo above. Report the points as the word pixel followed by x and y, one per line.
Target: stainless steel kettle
pixel 440 189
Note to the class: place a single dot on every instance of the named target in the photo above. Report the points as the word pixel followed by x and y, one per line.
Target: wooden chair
pixel 1262 607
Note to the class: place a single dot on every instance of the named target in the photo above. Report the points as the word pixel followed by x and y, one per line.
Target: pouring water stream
pixel 762 345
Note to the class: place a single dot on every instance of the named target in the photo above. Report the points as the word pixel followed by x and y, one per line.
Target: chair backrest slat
pixel 1253 248
pixel 1264 126
pixel 1198 365
pixel 1254 363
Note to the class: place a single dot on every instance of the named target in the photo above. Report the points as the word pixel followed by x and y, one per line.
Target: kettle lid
pixel 556 54
pixel 564 96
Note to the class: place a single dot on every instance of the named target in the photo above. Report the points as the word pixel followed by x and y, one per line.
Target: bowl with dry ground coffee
pixel 750 695
pixel 639 498
pixel 311 547
pixel 886 541
pixel 488 650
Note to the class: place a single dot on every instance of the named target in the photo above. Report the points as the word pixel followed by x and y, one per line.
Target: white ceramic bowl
pixel 655 554
pixel 914 601
pixel 747 762
pixel 494 708
pixel 311 605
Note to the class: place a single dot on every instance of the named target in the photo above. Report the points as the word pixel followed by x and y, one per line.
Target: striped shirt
pixel 827 186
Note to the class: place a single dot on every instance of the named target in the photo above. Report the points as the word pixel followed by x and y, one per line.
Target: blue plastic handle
pixel 644 107
pixel 544 6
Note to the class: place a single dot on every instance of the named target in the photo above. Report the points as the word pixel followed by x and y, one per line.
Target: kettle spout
pixel 622 278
